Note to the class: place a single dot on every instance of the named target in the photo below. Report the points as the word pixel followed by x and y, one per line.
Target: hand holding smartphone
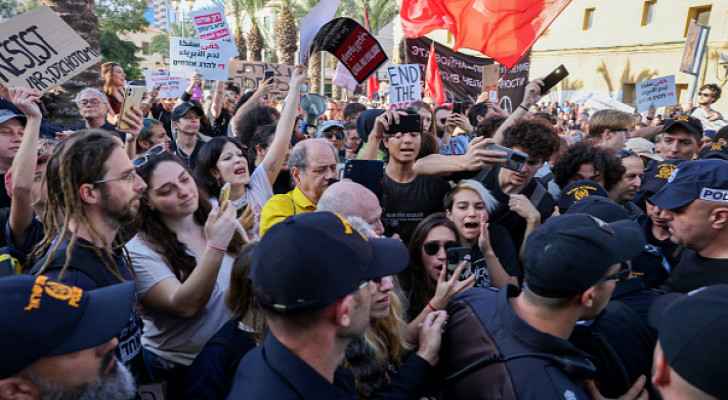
pixel 133 96
pixel 455 256
pixel 224 194
pixel 515 160
pixel 553 78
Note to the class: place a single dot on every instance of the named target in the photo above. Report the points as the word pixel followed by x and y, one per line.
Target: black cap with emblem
pixel 571 253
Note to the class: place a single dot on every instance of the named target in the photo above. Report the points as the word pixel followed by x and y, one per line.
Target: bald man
pixel 351 199
pixel 312 164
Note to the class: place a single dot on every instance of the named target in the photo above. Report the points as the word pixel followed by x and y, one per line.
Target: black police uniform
pixel 533 377
pixel 271 371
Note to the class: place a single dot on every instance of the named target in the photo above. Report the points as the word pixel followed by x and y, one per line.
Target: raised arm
pixel 218 98
pixel 273 161
pixel 253 101
pixel 474 159
pixel 531 96
pixel 23 167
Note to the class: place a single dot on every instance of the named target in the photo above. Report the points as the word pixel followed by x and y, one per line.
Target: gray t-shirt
pixel 173 338
pixel 259 191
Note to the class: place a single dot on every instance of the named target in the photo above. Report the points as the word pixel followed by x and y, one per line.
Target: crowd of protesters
pixel 195 249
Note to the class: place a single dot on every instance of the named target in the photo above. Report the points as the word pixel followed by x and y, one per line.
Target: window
pixel 648 12
pixel 700 14
pixel 588 19
pixel 628 93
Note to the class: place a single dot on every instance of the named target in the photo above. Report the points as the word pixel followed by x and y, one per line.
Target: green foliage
pixel 122 52
pixel 8 8
pixel 120 16
pixel 160 45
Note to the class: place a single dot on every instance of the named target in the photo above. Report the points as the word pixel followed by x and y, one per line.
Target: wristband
pixel 523 107
pixel 220 249
pixel 431 307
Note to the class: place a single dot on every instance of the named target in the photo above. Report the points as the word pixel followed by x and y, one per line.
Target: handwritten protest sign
pixel 39 50
pixel 405 84
pixel 250 74
pixel 189 56
pixel 169 86
pixel 658 92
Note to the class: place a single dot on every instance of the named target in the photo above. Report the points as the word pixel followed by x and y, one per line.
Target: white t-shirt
pixel 257 194
pixel 700 114
pixel 173 338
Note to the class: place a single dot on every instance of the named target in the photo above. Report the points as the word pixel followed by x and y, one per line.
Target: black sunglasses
pixel 432 248
pixel 151 153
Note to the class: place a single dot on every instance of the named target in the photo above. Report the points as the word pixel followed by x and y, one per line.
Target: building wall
pixel 618 51
pixel 141 40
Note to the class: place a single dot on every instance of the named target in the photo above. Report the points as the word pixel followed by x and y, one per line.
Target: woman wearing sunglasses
pixel 469 206
pixel 182 261
pixel 425 281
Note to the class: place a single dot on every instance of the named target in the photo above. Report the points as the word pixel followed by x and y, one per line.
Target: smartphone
pixel 458 107
pixel 368 173
pixel 224 194
pixel 407 123
pixel 268 74
pixel 133 96
pixel 515 160
pixel 456 255
pixel 553 78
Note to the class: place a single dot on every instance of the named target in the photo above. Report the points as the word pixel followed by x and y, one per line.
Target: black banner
pixel 462 74
pixel 512 83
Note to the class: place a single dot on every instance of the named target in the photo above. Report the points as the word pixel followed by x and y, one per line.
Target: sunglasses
pixel 703 94
pixel 151 153
pixel 432 248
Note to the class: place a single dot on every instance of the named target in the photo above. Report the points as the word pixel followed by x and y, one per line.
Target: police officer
pixel 689 360
pixel 529 328
pixel 311 274
pixel 695 205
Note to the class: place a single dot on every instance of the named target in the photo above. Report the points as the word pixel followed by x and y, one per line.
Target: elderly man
pixel 312 164
pixel 351 199
pixel 58 341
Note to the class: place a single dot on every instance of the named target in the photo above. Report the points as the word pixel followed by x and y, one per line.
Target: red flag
pixel 433 80
pixel 372 86
pixel 501 29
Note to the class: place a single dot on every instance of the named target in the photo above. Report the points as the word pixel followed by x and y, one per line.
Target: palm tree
pixel 286 31
pixel 81 16
pixel 239 37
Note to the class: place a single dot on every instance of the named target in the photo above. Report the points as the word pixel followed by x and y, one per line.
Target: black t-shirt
pixel 88 271
pixel 694 272
pixel 33 235
pixel 220 124
pixel 504 216
pixel 191 159
pixel 406 204
pixel 4 198
pixel 504 249
pixel 163 116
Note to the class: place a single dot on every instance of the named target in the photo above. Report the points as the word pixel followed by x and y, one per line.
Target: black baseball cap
pixel 692 330
pixel 310 260
pixel 579 190
pixel 41 318
pixel 181 109
pixel 601 207
pixel 690 124
pixel 699 179
pixel 657 173
pixel 570 253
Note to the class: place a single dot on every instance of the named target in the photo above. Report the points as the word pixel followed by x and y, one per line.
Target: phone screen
pixel 368 173
pixel 407 123
pixel 456 255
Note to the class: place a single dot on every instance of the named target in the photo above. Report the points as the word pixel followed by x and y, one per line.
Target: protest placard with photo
pixel 405 84
pixel 169 86
pixel 188 56
pixel 658 92
pixel 354 46
pixel 39 50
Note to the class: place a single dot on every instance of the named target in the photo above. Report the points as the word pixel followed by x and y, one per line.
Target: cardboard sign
pixel 189 56
pixel 658 92
pixel 39 50
pixel 169 86
pixel 354 46
pixel 405 84
pixel 512 83
pixel 461 74
pixel 249 75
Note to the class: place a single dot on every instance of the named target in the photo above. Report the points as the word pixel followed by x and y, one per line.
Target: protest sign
pixel 310 25
pixel 658 92
pixel 210 24
pixel 40 50
pixel 598 101
pixel 354 46
pixel 512 83
pixel 169 86
pixel 405 84
pixel 250 74
pixel 189 56
pixel 695 44
pixel 461 74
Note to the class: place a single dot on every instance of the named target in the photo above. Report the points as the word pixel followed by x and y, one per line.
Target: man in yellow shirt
pixel 313 167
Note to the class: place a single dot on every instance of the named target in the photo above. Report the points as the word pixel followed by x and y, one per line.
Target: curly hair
pixel 535 137
pixel 258 116
pixel 606 164
pixel 487 127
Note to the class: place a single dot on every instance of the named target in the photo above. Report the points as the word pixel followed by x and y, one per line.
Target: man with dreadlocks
pixel 93 191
